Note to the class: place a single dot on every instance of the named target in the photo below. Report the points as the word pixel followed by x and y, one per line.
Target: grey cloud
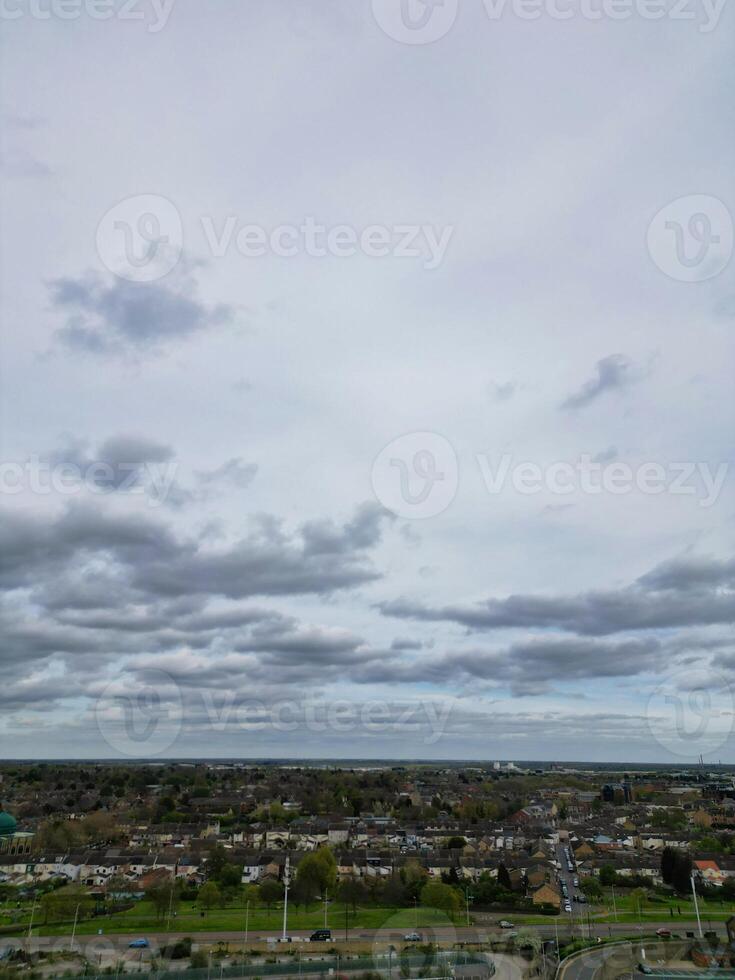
pixel 606 455
pixel 114 316
pixel 530 667
pixel 503 392
pixel 613 373
pixel 675 594
pixel 363 531
pixel 691 574
pixel 404 643
pixel 153 561
pixel 20 164
pixel 235 472
pixel 118 463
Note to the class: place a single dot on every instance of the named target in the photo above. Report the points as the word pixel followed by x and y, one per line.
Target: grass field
pixel 142 917
pixel 658 908
pixel 189 918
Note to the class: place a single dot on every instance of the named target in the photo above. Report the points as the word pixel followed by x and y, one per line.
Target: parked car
pixel 642 968
pixel 412 937
pixel 504 924
pixel 139 944
pixel 321 936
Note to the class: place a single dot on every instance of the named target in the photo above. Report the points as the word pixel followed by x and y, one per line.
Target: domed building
pixel 12 841
pixel 8 826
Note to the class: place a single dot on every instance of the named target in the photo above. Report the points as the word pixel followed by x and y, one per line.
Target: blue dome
pixel 8 826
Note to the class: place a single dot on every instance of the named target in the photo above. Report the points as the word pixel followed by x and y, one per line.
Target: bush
pixel 179 950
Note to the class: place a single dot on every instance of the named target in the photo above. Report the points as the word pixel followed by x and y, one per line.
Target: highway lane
pixel 359 937
pixel 662 959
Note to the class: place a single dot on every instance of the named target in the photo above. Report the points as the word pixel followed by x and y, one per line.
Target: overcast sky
pixel 367 379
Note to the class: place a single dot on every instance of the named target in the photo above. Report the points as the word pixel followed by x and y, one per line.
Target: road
pixel 567 878
pixel 359 937
pixel 622 959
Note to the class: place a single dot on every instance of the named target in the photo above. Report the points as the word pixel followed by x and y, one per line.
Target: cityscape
pixel 460 870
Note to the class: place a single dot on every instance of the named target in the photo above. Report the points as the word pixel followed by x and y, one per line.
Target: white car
pixel 567 907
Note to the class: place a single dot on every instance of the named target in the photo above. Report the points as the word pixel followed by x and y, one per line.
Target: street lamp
pixel 467 898
pixel 286 881
pixel 245 938
pixel 74 929
pixel 696 906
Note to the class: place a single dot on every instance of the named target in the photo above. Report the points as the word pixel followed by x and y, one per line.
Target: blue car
pixel 139 944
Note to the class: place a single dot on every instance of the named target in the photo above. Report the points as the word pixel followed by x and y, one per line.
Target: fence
pixel 439 963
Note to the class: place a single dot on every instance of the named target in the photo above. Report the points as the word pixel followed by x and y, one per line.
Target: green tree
pixel 414 878
pixel 638 899
pixel 271 891
pixel 504 878
pixel 61 905
pixel 351 891
pixel 217 861
pixel 316 874
pixel 161 897
pixel 668 862
pixel 608 875
pixel 209 895
pixel 681 878
pixel 437 895
pixel 591 887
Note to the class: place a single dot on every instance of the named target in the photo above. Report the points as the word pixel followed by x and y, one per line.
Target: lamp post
pixel 286 882
pixel 30 925
pixel 245 937
pixel 467 898
pixel 696 906
pixel 74 929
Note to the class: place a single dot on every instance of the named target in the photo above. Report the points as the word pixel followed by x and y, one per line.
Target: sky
pixel 367 379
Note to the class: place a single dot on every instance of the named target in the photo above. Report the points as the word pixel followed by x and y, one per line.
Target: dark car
pixel 321 936
pixel 642 968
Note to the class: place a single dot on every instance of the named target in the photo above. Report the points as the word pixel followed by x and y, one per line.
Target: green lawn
pixel 658 908
pixel 189 919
